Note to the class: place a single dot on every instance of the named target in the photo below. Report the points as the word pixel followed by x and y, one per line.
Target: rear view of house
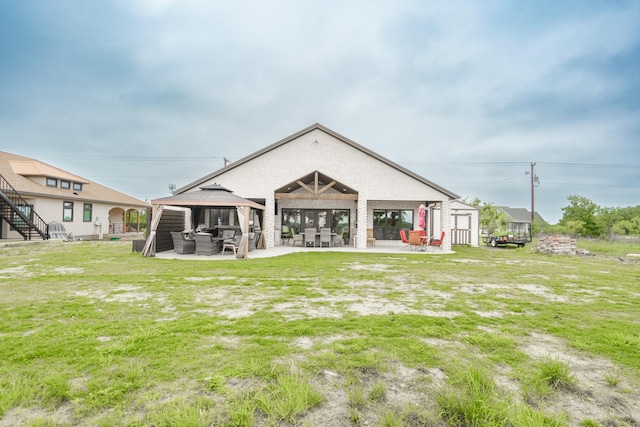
pixel 317 178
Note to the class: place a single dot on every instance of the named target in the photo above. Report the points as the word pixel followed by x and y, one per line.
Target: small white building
pixel 465 220
pixel 34 194
pixel 319 178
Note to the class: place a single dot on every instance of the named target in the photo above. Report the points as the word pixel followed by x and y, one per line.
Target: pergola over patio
pixel 211 196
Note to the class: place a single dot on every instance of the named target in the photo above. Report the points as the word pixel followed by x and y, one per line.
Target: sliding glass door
pixel 299 219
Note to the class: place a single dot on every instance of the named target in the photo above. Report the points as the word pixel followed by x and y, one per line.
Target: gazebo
pixel 211 196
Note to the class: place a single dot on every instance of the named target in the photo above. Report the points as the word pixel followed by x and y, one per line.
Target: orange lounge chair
pixel 436 242
pixel 403 236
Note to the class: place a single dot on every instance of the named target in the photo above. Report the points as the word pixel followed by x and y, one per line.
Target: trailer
pixel 517 233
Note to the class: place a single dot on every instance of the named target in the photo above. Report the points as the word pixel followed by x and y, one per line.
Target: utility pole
pixel 533 179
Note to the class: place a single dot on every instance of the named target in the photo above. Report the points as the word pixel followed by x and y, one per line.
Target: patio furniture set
pixel 203 243
pixel 419 240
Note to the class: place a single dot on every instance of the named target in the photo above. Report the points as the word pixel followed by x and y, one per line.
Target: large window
pixel 291 218
pixel 388 223
pixel 67 211
pixel 87 212
pixel 299 219
pixel 340 222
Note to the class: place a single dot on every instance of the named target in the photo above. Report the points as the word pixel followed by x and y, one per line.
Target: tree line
pixel 583 217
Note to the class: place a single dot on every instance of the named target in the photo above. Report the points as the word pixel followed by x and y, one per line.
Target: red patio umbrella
pixel 421 222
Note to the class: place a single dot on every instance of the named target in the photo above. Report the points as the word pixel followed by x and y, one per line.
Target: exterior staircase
pixel 18 213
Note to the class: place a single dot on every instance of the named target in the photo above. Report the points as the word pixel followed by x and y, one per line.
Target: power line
pixel 591 185
pixel 591 165
pixel 143 158
pixel 200 158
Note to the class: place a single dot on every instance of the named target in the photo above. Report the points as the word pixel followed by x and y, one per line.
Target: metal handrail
pixel 11 196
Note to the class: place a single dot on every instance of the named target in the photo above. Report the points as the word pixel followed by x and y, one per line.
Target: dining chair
pixel 325 237
pixel 298 238
pixel 232 244
pixel 228 234
pixel 310 236
pixel 338 239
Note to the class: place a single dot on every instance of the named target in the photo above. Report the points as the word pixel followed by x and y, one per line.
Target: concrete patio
pixel 288 249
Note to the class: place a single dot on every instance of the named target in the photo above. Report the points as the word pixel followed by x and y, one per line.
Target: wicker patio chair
pixel 206 244
pixel 182 244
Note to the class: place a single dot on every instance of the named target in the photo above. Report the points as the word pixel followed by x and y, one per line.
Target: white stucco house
pixel 319 178
pixel 34 194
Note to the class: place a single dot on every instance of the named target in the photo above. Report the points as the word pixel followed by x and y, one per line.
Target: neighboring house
pixel 34 194
pixel 520 215
pixel 318 178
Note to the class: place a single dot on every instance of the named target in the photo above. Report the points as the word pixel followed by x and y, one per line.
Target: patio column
pixel 268 218
pixel 445 221
pixel 361 231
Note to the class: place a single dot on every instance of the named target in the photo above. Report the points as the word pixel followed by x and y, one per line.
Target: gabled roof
pixel 520 214
pixel 309 180
pixel 465 204
pixel 317 126
pixel 19 171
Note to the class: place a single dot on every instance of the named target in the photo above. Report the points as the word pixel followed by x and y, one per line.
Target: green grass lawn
pixel 94 334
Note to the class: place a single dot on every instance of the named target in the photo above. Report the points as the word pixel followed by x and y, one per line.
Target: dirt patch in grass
pixel 62 416
pixel 601 391
pixel 369 267
pixel 20 271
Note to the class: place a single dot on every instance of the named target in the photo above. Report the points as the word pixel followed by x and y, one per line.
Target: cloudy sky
pixel 141 94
